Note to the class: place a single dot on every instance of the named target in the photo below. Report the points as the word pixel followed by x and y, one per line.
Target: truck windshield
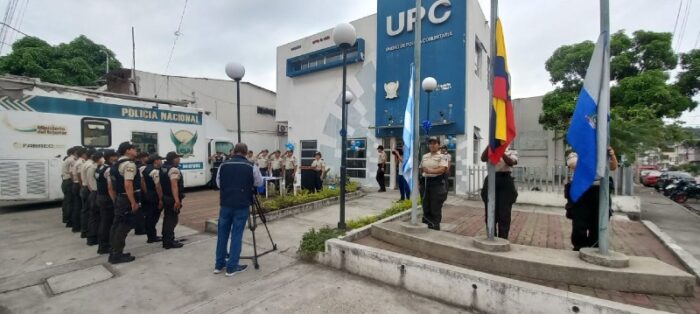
pixel 223 147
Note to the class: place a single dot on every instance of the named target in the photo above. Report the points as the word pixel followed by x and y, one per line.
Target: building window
pixel 96 132
pixel 223 147
pixel 357 158
pixel 477 146
pixel 478 56
pixel 308 149
pixel 327 58
pixel 145 142
pixel 266 111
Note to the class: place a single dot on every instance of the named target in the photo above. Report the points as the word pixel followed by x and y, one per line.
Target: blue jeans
pixel 231 222
pixel 404 189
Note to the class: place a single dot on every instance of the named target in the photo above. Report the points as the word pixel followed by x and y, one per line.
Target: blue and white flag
pixel 408 133
pixel 593 102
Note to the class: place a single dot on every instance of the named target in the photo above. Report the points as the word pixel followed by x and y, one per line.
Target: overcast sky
pixel 214 32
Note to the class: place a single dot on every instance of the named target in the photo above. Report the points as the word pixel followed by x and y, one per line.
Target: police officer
pixel 106 196
pixel 127 185
pixel 94 209
pixel 85 193
pixel 506 194
pixel 216 161
pixel 81 153
pixel 236 178
pixel 262 162
pixel 319 167
pixel 173 193
pixel 290 169
pixel 276 166
pixel 381 167
pixel 67 185
pixel 139 218
pixel 153 202
pixel 433 186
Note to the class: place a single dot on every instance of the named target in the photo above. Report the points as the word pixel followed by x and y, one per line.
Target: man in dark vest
pixel 236 179
pixel 106 195
pixel 153 201
pixel 173 193
pixel 127 184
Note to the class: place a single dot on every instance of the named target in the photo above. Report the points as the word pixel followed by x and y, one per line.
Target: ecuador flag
pixel 502 124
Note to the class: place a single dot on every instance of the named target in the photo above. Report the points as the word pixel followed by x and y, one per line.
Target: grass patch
pixel 303 197
pixel 314 241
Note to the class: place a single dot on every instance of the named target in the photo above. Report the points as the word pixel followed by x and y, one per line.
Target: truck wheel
pixel 680 198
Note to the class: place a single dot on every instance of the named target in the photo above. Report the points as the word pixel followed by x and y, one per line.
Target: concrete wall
pixel 218 97
pixel 536 146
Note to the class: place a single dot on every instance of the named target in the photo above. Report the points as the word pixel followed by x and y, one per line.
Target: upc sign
pixel 444 53
pixel 407 19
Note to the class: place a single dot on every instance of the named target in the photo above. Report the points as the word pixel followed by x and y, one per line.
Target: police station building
pixel 455 37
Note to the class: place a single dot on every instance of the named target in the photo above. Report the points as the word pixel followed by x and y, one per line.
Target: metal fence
pixel 543 179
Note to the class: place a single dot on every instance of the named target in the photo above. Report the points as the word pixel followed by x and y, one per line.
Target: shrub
pixel 315 241
pixel 303 197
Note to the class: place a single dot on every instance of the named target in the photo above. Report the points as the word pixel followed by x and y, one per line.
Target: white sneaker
pixel 241 268
pixel 218 271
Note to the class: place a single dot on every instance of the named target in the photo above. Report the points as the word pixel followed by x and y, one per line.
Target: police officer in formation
pixel 81 154
pixel 262 162
pixel 67 185
pixel 139 217
pixel 93 215
pixel 106 196
pixel 152 204
pixel 433 185
pixel 173 193
pixel 290 169
pixel 276 167
pixel 127 185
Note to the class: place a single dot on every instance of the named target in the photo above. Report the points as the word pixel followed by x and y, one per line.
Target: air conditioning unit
pixel 281 128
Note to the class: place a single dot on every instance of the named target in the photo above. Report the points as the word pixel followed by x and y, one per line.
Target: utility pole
pixel 133 62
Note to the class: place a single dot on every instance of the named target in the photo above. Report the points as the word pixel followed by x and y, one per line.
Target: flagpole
pixel 602 133
pixel 491 207
pixel 416 114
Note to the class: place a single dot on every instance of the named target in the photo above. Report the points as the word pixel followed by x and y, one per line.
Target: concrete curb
pixel 688 260
pixel 367 230
pixel 463 287
pixel 211 225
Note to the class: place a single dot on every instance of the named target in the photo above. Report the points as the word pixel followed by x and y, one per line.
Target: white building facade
pixel 259 128
pixel 454 52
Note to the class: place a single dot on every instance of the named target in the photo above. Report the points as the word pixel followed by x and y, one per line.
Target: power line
pixel 684 24
pixel 680 5
pixel 14 29
pixel 696 41
pixel 177 35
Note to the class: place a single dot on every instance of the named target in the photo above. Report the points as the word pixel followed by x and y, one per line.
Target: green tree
pixel 641 95
pixel 79 63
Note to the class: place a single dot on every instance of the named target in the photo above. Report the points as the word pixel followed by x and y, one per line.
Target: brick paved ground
pixel 552 230
pixel 199 206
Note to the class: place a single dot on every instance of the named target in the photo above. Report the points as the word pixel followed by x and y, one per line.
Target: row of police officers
pixel 107 193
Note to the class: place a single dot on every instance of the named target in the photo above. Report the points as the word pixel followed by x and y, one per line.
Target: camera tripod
pixel 252 225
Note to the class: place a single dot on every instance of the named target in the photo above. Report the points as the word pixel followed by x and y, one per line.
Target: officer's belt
pixel 135 191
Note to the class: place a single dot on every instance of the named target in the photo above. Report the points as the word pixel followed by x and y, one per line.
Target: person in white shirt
pixel 67 185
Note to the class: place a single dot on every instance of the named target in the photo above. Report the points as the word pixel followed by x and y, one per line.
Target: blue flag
pixel 592 103
pixel 408 133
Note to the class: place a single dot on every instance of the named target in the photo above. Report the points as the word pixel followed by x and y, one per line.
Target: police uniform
pixel 150 204
pixel 67 188
pixel 506 195
pixel 106 207
pixel 124 170
pixel 139 217
pixel 77 201
pixel 381 164
pixel 276 166
pixel 290 164
pixel 93 210
pixel 168 173
pixel 262 161
pixel 434 189
pixel 318 165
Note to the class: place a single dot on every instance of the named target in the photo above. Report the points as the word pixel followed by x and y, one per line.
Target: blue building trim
pixel 355 54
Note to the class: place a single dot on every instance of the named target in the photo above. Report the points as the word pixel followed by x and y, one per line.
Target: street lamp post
pixel 236 71
pixel 429 85
pixel 344 36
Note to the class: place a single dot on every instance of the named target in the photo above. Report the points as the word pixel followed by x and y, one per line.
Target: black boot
pixel 91 241
pixel 174 244
pixel 154 239
pixel 103 250
pixel 118 258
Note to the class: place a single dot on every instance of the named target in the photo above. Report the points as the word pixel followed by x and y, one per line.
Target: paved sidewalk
pixel 180 281
pixel 547 227
pixel 679 223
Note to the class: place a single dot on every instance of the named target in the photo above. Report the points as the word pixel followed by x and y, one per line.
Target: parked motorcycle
pixel 689 191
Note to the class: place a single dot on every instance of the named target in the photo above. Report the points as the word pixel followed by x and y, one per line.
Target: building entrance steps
pixel 644 274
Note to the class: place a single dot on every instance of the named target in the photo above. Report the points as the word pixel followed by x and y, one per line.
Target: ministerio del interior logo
pixel 184 142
